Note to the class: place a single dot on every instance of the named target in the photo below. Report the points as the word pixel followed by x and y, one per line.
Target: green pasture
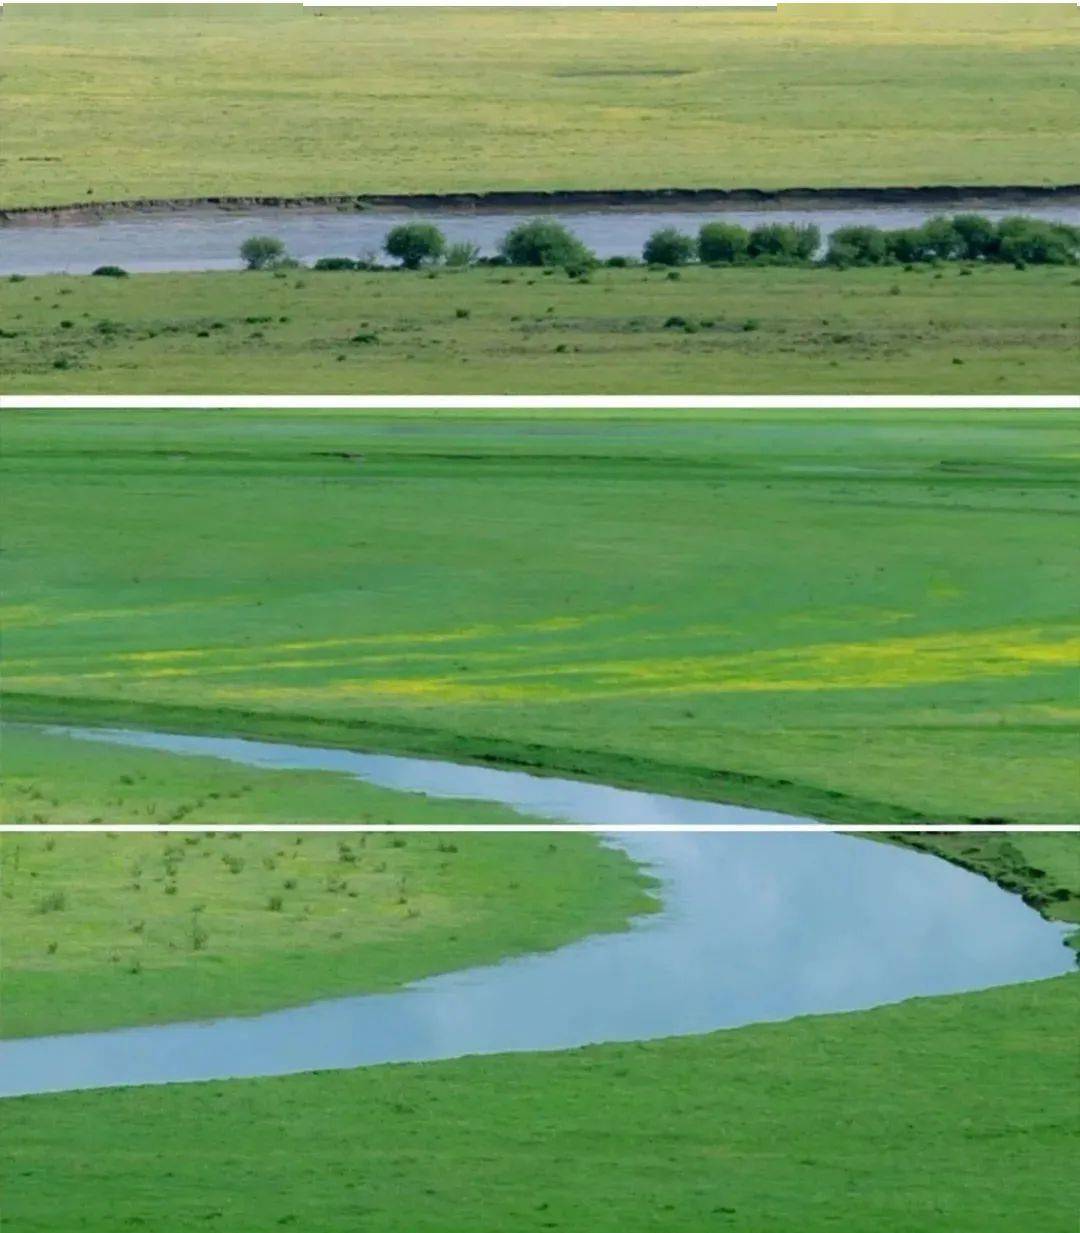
pixel 981 330
pixel 863 616
pixel 106 931
pixel 955 1113
pixel 104 103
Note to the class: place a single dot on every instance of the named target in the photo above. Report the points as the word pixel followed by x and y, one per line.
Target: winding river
pixel 754 928
pixel 206 239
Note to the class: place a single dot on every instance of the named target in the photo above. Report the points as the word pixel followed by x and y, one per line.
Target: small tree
pixel 668 247
pixel 543 241
pixel 262 252
pixel 723 243
pixel 414 243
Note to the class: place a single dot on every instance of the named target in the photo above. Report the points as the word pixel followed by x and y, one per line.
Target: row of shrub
pixel 544 242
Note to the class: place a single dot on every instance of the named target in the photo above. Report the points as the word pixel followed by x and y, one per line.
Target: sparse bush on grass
pixel 415 244
pixel 544 242
pixel 461 254
pixel 334 263
pixel 668 247
pixel 53 901
pixel 262 252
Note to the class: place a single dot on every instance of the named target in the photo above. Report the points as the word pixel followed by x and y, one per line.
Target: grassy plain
pixel 111 931
pixel 864 616
pixel 497 331
pixel 954 1113
pixel 103 103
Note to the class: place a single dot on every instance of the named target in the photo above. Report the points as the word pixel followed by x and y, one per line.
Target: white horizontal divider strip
pixel 538 402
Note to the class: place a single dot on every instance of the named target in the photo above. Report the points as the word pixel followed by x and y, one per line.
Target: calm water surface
pixel 754 927
pixel 209 240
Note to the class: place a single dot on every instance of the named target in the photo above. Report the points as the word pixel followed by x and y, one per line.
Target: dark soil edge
pixel 943 195
pixel 992 856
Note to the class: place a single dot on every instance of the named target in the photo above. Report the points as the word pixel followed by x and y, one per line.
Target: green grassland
pixel 950 1114
pixel 860 616
pixel 497 331
pixel 863 616
pixel 111 931
pixel 103 103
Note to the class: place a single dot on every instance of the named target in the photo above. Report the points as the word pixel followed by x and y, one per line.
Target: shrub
pixel 110 271
pixel 976 235
pixel 941 238
pixel 783 243
pixel 857 246
pixel 619 263
pixel 262 252
pixel 334 263
pixel 723 243
pixel 668 247
pixel 1031 241
pixel 415 243
pixel 907 245
pixel 461 254
pixel 544 242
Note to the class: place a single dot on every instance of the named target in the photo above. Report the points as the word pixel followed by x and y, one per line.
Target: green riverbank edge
pixel 987 854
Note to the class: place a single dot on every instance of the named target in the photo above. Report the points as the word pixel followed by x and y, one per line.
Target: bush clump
pixel 859 245
pixel 668 247
pixel 262 252
pixel 106 271
pixel 723 243
pixel 334 263
pixel 544 242
pixel 783 244
pixel 1032 241
pixel 415 244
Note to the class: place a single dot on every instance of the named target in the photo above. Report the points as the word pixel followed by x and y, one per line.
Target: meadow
pixel 853 615
pixel 951 1113
pixel 962 329
pixel 135 101
pixel 108 931
pixel 861 616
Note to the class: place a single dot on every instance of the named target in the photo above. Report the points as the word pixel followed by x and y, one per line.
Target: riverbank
pixel 932 197
pixel 988 330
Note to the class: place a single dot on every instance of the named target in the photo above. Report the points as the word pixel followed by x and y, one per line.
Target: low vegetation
pixel 977 327
pixel 707 625
pixel 105 931
pixel 519 98
pixel 969 1100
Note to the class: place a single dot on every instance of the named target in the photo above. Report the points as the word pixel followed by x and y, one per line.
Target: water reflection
pixel 755 927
